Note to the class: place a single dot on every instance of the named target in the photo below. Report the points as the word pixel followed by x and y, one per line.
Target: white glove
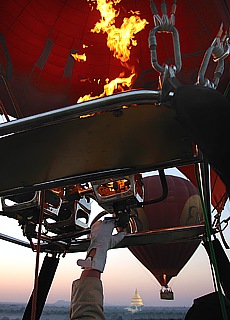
pixel 101 240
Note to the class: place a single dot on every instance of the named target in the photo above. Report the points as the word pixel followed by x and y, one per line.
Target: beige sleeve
pixel 87 299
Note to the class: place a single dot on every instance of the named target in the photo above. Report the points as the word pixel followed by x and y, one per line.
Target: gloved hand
pixel 101 241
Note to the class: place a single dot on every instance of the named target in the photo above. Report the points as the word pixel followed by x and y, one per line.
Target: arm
pixel 87 297
pixel 87 292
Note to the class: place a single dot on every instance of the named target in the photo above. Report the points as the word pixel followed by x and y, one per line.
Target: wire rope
pixel 211 248
pixel 35 290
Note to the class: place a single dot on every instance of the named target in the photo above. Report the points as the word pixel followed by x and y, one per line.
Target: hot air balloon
pixel 52 55
pixel 39 73
pixel 49 56
pixel 182 207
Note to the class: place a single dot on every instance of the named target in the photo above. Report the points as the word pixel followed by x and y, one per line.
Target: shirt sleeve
pixel 87 299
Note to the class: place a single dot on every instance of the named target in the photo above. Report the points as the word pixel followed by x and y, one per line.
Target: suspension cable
pixel 12 98
pixel 211 248
pixel 38 247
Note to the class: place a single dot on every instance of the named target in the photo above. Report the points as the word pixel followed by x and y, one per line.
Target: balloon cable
pixel 38 247
pixel 226 91
pixel 212 252
pixel 12 98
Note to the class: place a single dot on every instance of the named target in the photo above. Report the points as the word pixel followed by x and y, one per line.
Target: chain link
pixel 164 24
pixel 219 50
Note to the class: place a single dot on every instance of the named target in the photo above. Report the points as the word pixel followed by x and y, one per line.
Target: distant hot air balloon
pixel 182 207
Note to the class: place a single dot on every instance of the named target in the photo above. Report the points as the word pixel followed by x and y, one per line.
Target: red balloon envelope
pixel 182 207
pixel 38 72
pixel 38 37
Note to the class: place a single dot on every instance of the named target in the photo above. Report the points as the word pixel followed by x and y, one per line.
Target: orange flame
pixel 119 40
pixel 79 57
pixel 110 87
